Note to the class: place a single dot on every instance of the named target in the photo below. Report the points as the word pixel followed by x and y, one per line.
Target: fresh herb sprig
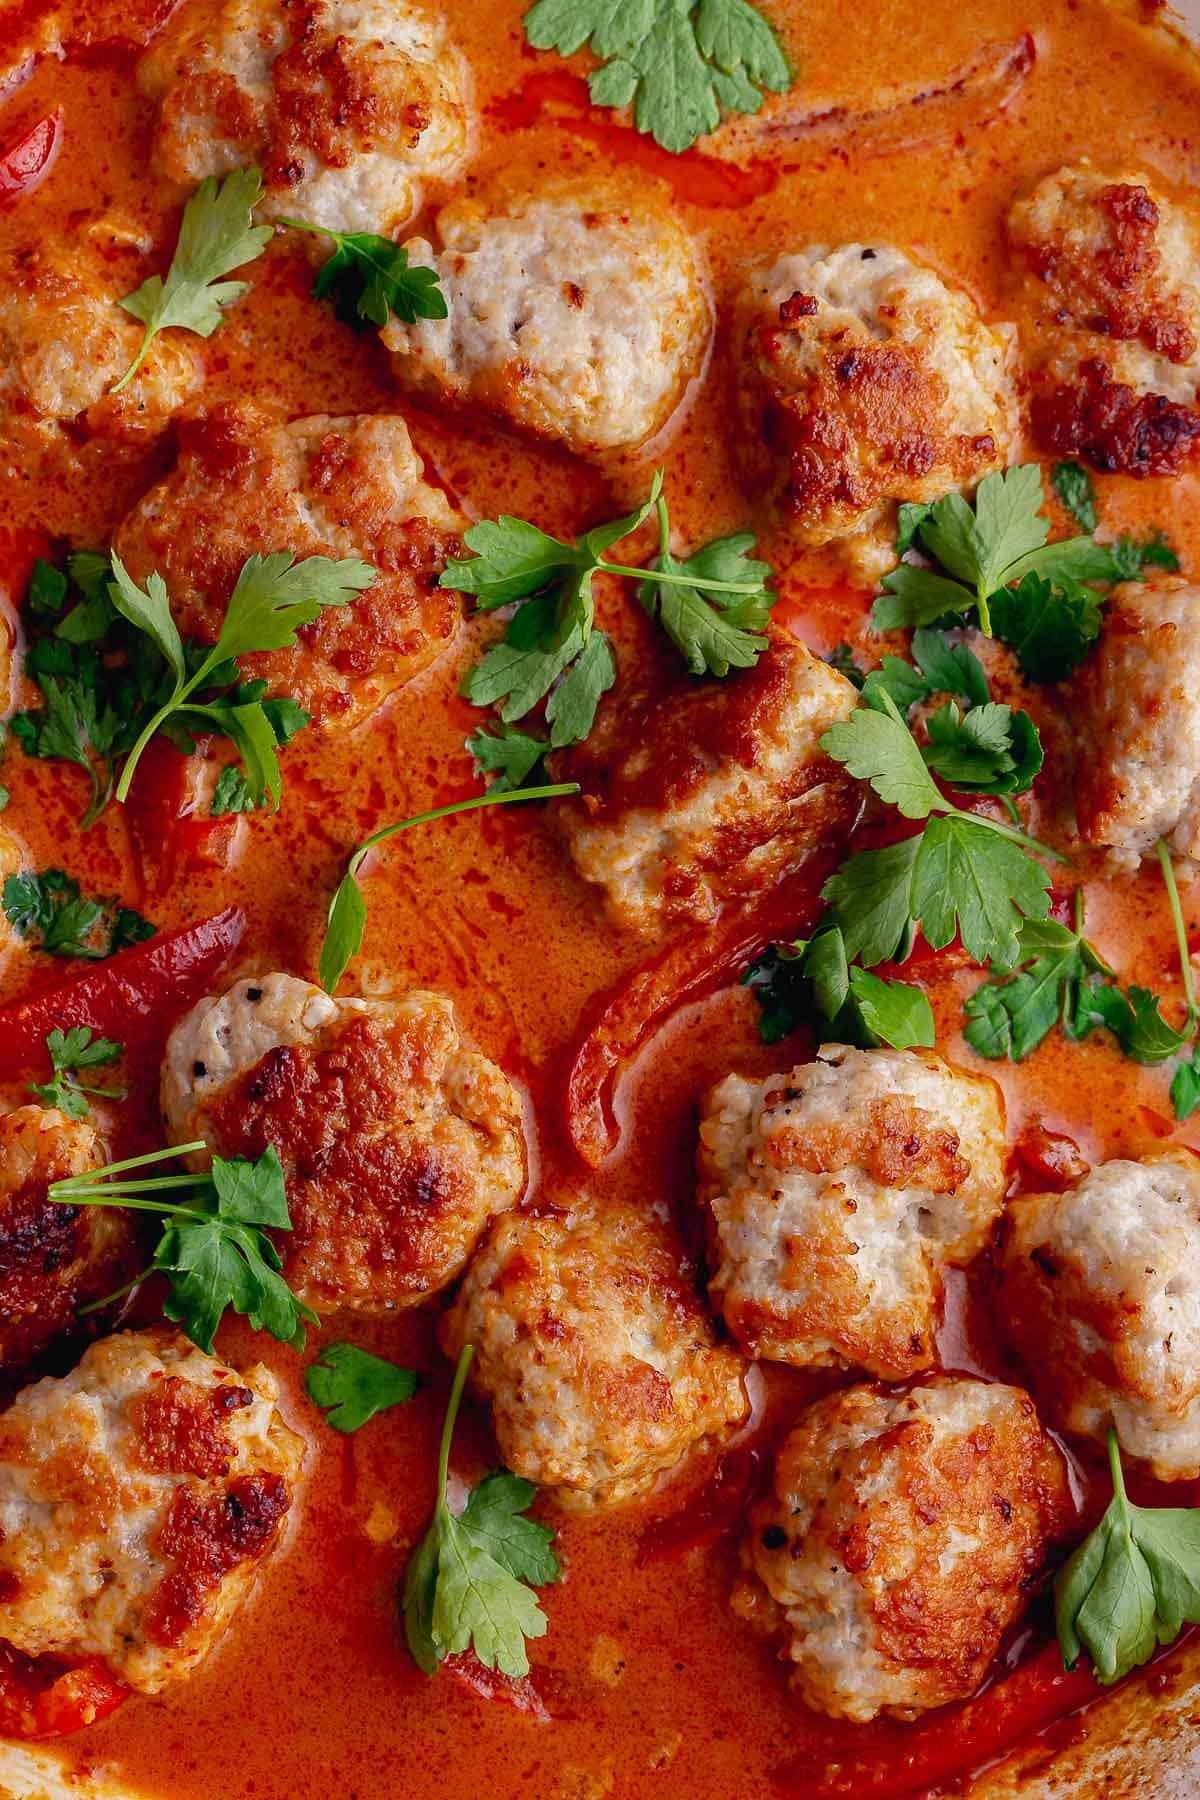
pixel 370 278
pixel 351 1386
pixel 470 1581
pixel 50 910
pixel 70 1052
pixel 347 917
pixel 789 981
pixel 216 235
pixel 215 1250
pixel 1130 556
pixel 677 63
pixel 1131 1585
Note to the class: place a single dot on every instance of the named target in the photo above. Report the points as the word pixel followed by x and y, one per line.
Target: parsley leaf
pixel 1073 485
pixel 470 1582
pixel 50 910
pixel 1012 1013
pixel 969 880
pixel 371 279
pixel 1135 1020
pixel 69 1052
pixel 1131 1585
pixel 347 916
pixel 878 747
pixel 988 750
pixel 351 1386
pixel 1050 626
pixel 215 236
pixel 790 980
pixel 676 62
pixel 1185 1088
pixel 715 629
pixel 214 1249
pixel 511 755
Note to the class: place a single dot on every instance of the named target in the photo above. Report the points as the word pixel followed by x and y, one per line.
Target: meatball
pixel 138 1497
pixel 594 1350
pixel 709 792
pixel 53 1259
pixel 1114 267
pixel 1136 721
pixel 1101 1290
pixel 64 341
pixel 348 105
pixel 864 379
pixel 340 487
pixel 398 1144
pixel 579 314
pixel 837 1192
pixel 900 1540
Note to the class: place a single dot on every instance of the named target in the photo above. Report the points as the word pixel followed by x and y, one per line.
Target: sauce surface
pixel 649 1684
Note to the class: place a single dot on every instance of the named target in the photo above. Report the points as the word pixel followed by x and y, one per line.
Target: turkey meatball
pixel 864 380
pixel 349 106
pixel 576 314
pixel 900 1540
pixel 593 1349
pixel 53 1259
pixel 64 341
pixel 1114 267
pixel 340 487
pixel 139 1496
pixel 1136 722
pixel 398 1144
pixel 710 791
pixel 1102 1291
pixel 837 1192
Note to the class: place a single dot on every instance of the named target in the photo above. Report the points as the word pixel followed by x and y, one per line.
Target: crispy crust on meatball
pixel 1114 268
pixel 579 314
pixel 398 1144
pixel 53 1259
pixel 836 1193
pixel 1137 722
pixel 138 1497
pixel 339 487
pixel 64 341
pixel 864 379
pixel 900 1541
pixel 1101 1290
pixel 709 792
pixel 348 105
pixel 594 1350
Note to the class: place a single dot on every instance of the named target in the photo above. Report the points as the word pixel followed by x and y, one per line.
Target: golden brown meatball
pixel 398 1144
pixel 577 313
pixel 594 1349
pixel 864 379
pixel 348 487
pixel 1136 714
pixel 348 105
pixel 900 1541
pixel 139 1495
pixel 709 792
pixel 1113 267
pixel 837 1193
pixel 1102 1294
pixel 53 1259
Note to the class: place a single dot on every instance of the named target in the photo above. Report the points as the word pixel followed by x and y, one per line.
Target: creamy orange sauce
pixel 654 1688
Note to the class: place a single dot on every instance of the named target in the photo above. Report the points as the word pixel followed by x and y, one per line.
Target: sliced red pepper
pixel 172 831
pixel 135 996
pixel 41 1697
pixel 528 1694
pixel 1050 1161
pixel 23 163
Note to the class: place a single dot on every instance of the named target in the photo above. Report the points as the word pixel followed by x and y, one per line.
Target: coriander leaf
pixel 512 560
pixel 69 1052
pixel 1131 1585
pixel 878 747
pixel 1134 1019
pixel 1185 1088
pixel 1050 628
pixel 969 879
pixel 1008 525
pixel 478 1606
pixel 150 610
pixel 215 236
pixel 493 1515
pixel 988 750
pixel 253 1193
pixel 518 677
pixel 351 1386
pixel 949 668
pixel 1074 487
pixel 714 629
pixel 870 900
pixel 571 708
pixel 789 981
pixel 1010 1015
pixel 511 755
pixel 370 278
pixel 894 1011
pixel 50 909
pixel 677 64
pixel 915 596
pixel 274 595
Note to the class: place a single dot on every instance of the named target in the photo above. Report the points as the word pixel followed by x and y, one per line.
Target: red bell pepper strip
pixel 23 164
pixel 533 1694
pixel 137 995
pixel 41 1698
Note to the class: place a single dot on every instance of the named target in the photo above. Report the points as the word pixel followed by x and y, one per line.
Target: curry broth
pixel 651 1685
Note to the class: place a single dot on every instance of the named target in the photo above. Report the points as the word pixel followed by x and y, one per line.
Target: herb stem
pixel 465 1359
pixel 671 579
pixel 1185 956
pixel 459 806
pixel 1115 1465
pixel 138 1162
pixel 117 1294
pixel 138 1187
pixel 114 1196
pixel 1006 831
